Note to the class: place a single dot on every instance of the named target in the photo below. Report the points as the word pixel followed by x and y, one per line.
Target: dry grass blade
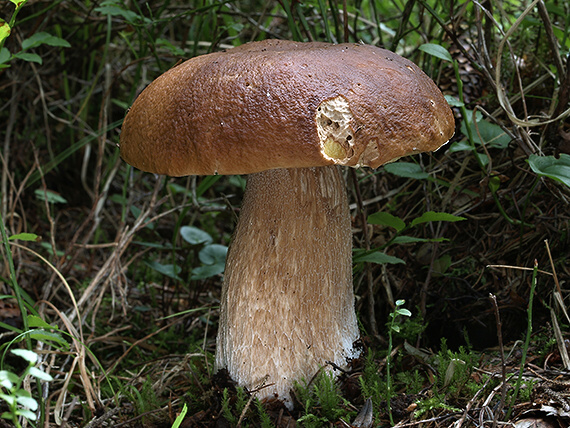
pixel 60 276
pixel 501 95
pixel 111 269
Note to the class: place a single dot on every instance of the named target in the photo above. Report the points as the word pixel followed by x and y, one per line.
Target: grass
pixel 103 295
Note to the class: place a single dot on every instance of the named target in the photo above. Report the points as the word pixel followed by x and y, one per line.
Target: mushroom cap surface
pixel 282 104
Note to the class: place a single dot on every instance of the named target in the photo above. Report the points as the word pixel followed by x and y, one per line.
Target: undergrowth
pixel 112 276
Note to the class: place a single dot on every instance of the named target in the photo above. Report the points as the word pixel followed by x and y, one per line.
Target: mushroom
pixel 288 114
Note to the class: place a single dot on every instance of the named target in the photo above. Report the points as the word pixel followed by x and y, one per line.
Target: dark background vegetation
pixel 131 299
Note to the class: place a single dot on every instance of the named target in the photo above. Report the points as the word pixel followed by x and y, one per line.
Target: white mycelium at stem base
pixel 287 301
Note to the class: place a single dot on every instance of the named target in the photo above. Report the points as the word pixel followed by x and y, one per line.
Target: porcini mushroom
pixel 288 114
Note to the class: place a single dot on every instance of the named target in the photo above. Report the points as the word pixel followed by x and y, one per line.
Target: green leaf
pixel 377 257
pixel 19 3
pixel 11 400
pixel 5 56
pixel 485 132
pixel 5 30
pixel 30 57
pixel 386 219
pixel 47 336
pixel 407 170
pixel 28 414
pixel 170 271
pixel 453 102
pixel 551 167
pixel 494 184
pixel 207 271
pixel 460 146
pixel 174 50
pixel 214 259
pixel 37 373
pixel 195 236
pixel 24 398
pixel 206 183
pixel 436 50
pixel 30 356
pixel 136 212
pixel 180 417
pixel 435 216
pixel 24 237
pixel 7 379
pixel 49 195
pixel 442 264
pixel 404 239
pixel 403 312
pixel 115 9
pixel 35 321
pixel 43 38
pixel 213 254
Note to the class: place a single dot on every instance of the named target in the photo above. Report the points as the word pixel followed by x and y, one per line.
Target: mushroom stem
pixel 287 301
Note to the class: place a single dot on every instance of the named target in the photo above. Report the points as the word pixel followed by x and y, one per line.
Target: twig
pixel 503 364
pixel 459 422
pixel 527 339
pixel 552 41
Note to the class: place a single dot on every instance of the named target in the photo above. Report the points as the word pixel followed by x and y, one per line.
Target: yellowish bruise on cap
pixel 333 119
pixel 333 149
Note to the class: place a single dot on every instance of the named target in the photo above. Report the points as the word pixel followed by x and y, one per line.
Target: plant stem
pixel 14 283
pixel 527 339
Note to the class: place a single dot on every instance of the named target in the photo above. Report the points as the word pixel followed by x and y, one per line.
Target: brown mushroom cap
pixel 281 104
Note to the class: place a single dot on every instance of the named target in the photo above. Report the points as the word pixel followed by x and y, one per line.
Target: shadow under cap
pixel 256 107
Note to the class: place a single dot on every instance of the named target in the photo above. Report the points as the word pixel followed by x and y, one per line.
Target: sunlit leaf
pixel 403 312
pixel 24 237
pixel 7 379
pixel 9 399
pixel 27 401
pixel 29 356
pixel 28 414
pixel 4 30
pixel 19 3
pixel 37 373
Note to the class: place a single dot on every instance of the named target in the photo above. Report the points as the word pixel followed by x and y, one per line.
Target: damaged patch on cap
pixel 333 127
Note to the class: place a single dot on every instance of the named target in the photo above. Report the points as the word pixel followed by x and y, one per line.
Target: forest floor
pixel 104 275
